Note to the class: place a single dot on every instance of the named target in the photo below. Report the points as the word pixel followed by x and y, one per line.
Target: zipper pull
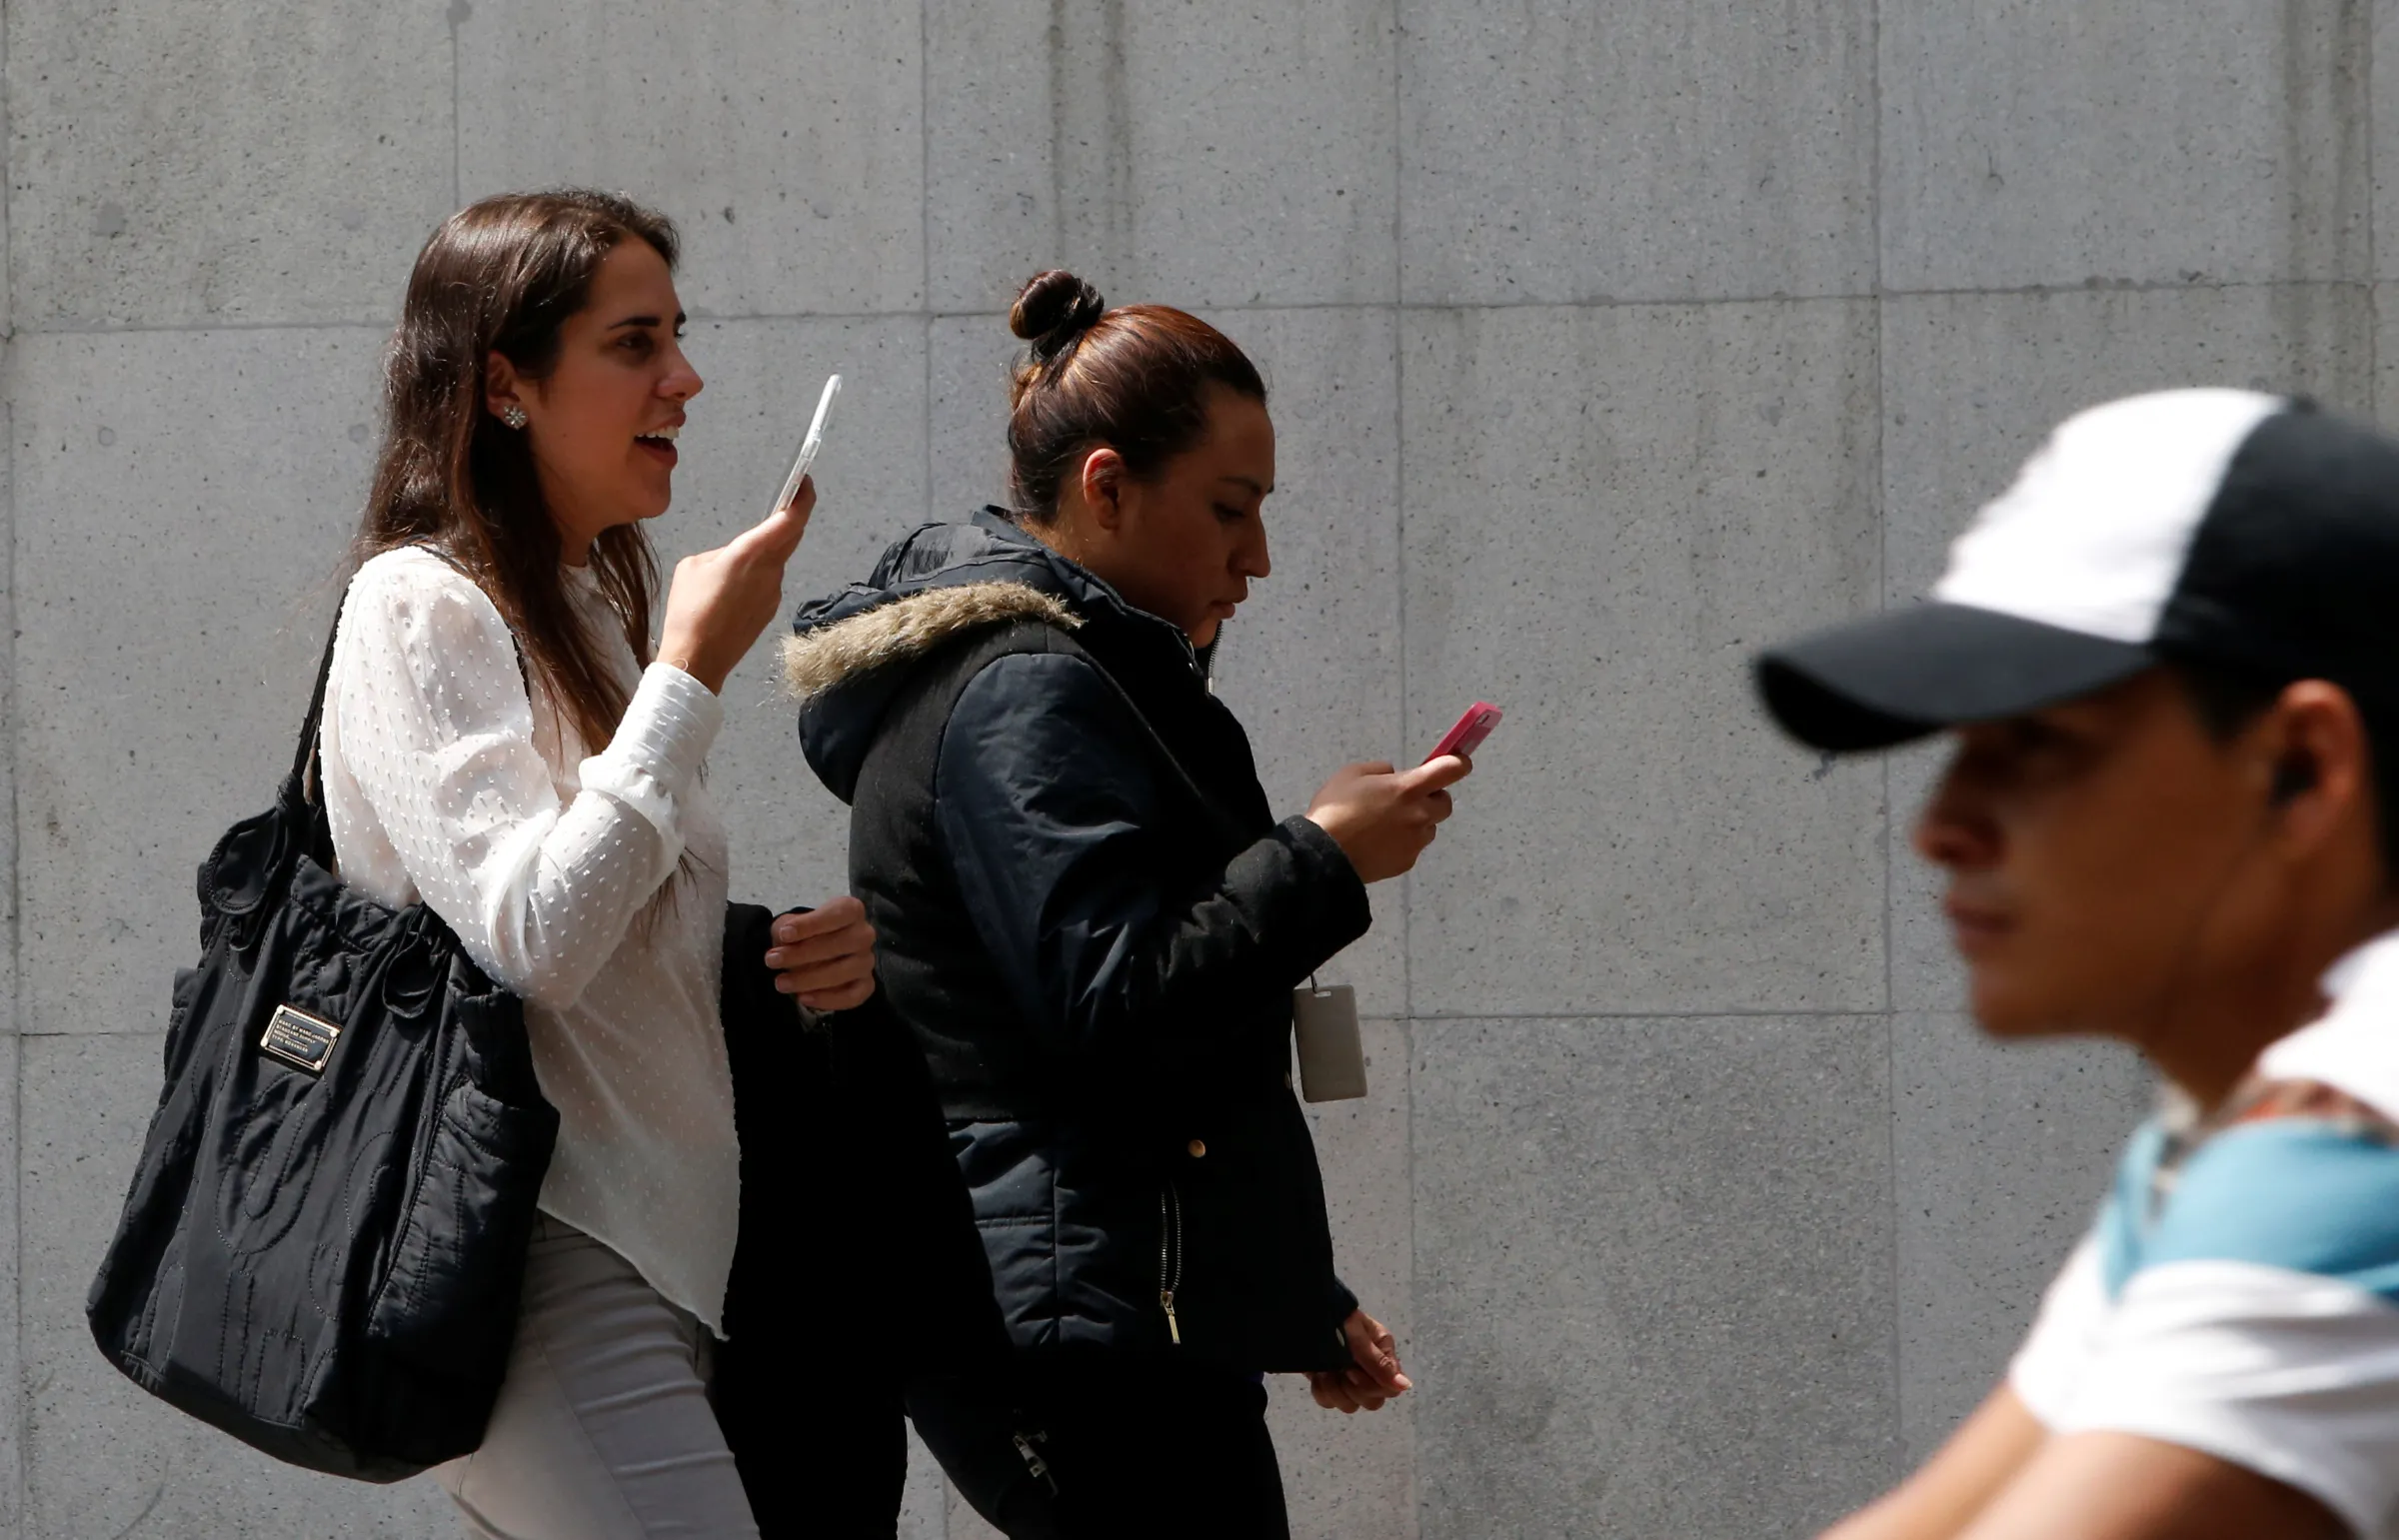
pixel 1033 1462
pixel 1166 1302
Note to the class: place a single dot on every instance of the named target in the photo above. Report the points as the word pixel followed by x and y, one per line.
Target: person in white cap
pixel 2168 656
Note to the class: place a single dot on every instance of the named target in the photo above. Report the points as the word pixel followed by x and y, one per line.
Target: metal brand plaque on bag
pixel 300 1039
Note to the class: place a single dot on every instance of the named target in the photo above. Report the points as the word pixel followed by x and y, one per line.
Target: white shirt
pixel 2240 1296
pixel 443 779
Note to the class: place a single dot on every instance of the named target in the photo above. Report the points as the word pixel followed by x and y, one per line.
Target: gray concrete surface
pixel 1643 1244
pixel 1607 343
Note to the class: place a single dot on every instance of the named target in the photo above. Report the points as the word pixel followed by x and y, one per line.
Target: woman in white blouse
pixel 501 739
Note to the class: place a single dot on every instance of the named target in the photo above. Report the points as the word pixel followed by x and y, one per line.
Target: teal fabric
pixel 2122 1216
pixel 2294 1194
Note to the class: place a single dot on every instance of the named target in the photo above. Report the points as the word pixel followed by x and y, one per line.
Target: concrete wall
pixel 1608 342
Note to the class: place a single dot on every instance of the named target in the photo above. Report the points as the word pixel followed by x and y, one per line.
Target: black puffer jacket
pixel 1091 921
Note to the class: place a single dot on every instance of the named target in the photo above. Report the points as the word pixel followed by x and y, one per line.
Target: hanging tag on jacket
pixel 1333 1062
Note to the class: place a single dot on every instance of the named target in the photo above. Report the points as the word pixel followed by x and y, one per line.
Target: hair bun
pixel 1053 309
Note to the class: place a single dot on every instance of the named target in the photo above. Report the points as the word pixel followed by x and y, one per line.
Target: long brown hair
pixel 1135 379
pixel 501 275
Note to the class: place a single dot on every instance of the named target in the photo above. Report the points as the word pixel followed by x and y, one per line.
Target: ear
pixel 2317 762
pixel 501 387
pixel 1103 481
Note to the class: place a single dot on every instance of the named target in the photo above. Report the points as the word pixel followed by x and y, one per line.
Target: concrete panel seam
pixel 1408 1156
pixel 1697 302
pixel 1412 308
pixel 2374 319
pixel 8 273
pixel 1883 586
pixel 925 251
pixel 1479 1018
pixel 456 16
pixel 1408 909
pixel 16 919
pixel 175 328
pixel 2374 23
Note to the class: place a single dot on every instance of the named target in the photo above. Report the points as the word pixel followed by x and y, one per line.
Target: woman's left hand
pixel 1375 1380
pixel 825 957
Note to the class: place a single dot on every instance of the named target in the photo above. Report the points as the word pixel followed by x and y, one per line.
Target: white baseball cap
pixel 2232 528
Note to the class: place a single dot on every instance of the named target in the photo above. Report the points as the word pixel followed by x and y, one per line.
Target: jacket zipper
pixel 1170 1256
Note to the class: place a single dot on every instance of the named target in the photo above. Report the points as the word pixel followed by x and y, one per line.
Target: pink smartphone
pixel 1470 733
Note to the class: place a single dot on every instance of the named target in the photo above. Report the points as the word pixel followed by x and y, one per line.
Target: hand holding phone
pixel 1383 819
pixel 808 445
pixel 1468 732
pixel 721 600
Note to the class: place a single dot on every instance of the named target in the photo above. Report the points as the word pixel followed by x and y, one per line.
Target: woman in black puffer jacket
pixel 1092 924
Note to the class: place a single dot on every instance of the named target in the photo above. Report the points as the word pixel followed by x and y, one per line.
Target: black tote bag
pixel 324 1240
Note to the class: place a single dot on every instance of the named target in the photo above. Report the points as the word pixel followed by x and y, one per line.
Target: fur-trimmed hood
pixel 907 627
pixel 850 652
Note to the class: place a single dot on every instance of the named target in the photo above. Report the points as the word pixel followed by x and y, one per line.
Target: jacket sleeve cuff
pixel 656 755
pixel 1340 912
pixel 1340 1304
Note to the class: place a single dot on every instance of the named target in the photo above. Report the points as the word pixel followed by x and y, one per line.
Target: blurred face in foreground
pixel 2116 867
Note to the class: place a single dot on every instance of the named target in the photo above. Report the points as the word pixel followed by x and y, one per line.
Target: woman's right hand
pixel 1377 1377
pixel 721 600
pixel 825 956
pixel 1383 818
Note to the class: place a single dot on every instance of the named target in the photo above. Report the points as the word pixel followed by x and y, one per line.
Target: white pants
pixel 603 1430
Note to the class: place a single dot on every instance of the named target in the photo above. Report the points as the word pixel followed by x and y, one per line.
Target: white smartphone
pixel 810 445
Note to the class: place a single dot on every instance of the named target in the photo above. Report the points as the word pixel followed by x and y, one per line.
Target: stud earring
pixel 514 416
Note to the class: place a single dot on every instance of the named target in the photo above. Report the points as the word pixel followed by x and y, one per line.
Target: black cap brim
pixel 1916 672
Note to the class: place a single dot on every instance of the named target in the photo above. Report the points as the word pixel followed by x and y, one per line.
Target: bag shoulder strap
pixel 307 775
pixel 304 758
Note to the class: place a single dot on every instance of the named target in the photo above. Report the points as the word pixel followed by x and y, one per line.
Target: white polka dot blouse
pixel 444 779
